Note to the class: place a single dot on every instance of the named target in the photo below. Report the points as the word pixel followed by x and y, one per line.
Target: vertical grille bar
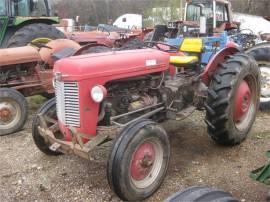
pixel 67 103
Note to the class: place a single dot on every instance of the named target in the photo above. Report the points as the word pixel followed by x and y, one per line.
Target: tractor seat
pixel 191 46
pixel 183 60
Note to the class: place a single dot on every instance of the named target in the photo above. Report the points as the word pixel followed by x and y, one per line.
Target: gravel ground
pixel 26 174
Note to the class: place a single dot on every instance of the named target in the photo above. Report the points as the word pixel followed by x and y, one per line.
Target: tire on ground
pixel 48 109
pixel 202 194
pixel 28 33
pixel 233 99
pixel 12 100
pixel 261 53
pixel 138 162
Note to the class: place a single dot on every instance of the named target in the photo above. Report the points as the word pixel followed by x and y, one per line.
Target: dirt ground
pixel 26 174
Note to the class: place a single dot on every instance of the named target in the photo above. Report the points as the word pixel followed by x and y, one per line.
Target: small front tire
pixel 202 194
pixel 13 111
pixel 139 160
pixel 47 109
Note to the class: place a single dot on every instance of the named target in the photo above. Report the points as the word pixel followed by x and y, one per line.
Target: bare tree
pixel 100 11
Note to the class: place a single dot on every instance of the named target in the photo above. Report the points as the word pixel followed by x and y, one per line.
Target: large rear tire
pixel 202 194
pixel 13 111
pixel 138 161
pixel 47 109
pixel 39 32
pixel 261 53
pixel 233 99
pixel 133 43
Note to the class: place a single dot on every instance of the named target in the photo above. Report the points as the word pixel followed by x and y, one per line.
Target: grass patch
pixel 36 101
pixel 261 135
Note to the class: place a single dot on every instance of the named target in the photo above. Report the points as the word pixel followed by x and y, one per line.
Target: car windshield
pixel 20 7
pixel 2 7
pixel 194 12
pixel 28 8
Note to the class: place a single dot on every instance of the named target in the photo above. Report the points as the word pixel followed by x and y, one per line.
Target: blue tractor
pixel 212 21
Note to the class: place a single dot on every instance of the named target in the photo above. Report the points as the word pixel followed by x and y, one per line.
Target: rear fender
pixel 23 21
pixel 212 66
pixel 85 48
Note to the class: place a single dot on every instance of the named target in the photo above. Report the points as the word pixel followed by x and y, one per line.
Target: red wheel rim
pixel 243 101
pixel 5 114
pixel 10 113
pixel 142 161
pixel 146 163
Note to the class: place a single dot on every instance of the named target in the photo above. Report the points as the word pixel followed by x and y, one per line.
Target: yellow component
pixel 192 45
pixel 182 60
pixel 40 40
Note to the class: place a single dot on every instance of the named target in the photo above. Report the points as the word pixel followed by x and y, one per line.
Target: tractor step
pixel 171 113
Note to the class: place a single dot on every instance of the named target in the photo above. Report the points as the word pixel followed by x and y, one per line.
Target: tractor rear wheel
pixel 39 33
pixel 47 110
pixel 233 99
pixel 261 53
pixel 13 111
pixel 202 194
pixel 138 161
pixel 132 43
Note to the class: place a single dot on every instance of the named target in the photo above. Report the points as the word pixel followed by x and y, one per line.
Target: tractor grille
pixel 67 103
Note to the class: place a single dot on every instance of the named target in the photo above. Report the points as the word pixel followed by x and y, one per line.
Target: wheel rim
pixel 146 163
pixel 245 103
pixel 10 113
pixel 41 40
pixel 265 84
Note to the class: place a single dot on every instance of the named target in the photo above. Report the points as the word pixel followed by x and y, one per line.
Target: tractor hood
pixel 112 65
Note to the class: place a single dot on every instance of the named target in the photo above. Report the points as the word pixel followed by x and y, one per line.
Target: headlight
pixel 98 93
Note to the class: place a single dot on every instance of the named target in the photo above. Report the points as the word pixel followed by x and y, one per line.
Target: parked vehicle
pixel 124 95
pixel 109 35
pixel 26 21
pixel 219 18
pixel 26 71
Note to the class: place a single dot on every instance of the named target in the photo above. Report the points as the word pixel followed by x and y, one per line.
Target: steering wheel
pixel 249 30
pixel 151 44
pixel 103 29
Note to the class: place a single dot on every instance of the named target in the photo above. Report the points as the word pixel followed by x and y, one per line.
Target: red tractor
pixel 110 38
pixel 27 71
pixel 123 96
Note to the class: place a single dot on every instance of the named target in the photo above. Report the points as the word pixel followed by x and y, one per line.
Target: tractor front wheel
pixel 48 111
pixel 35 33
pixel 139 160
pixel 233 100
pixel 13 111
pixel 202 194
